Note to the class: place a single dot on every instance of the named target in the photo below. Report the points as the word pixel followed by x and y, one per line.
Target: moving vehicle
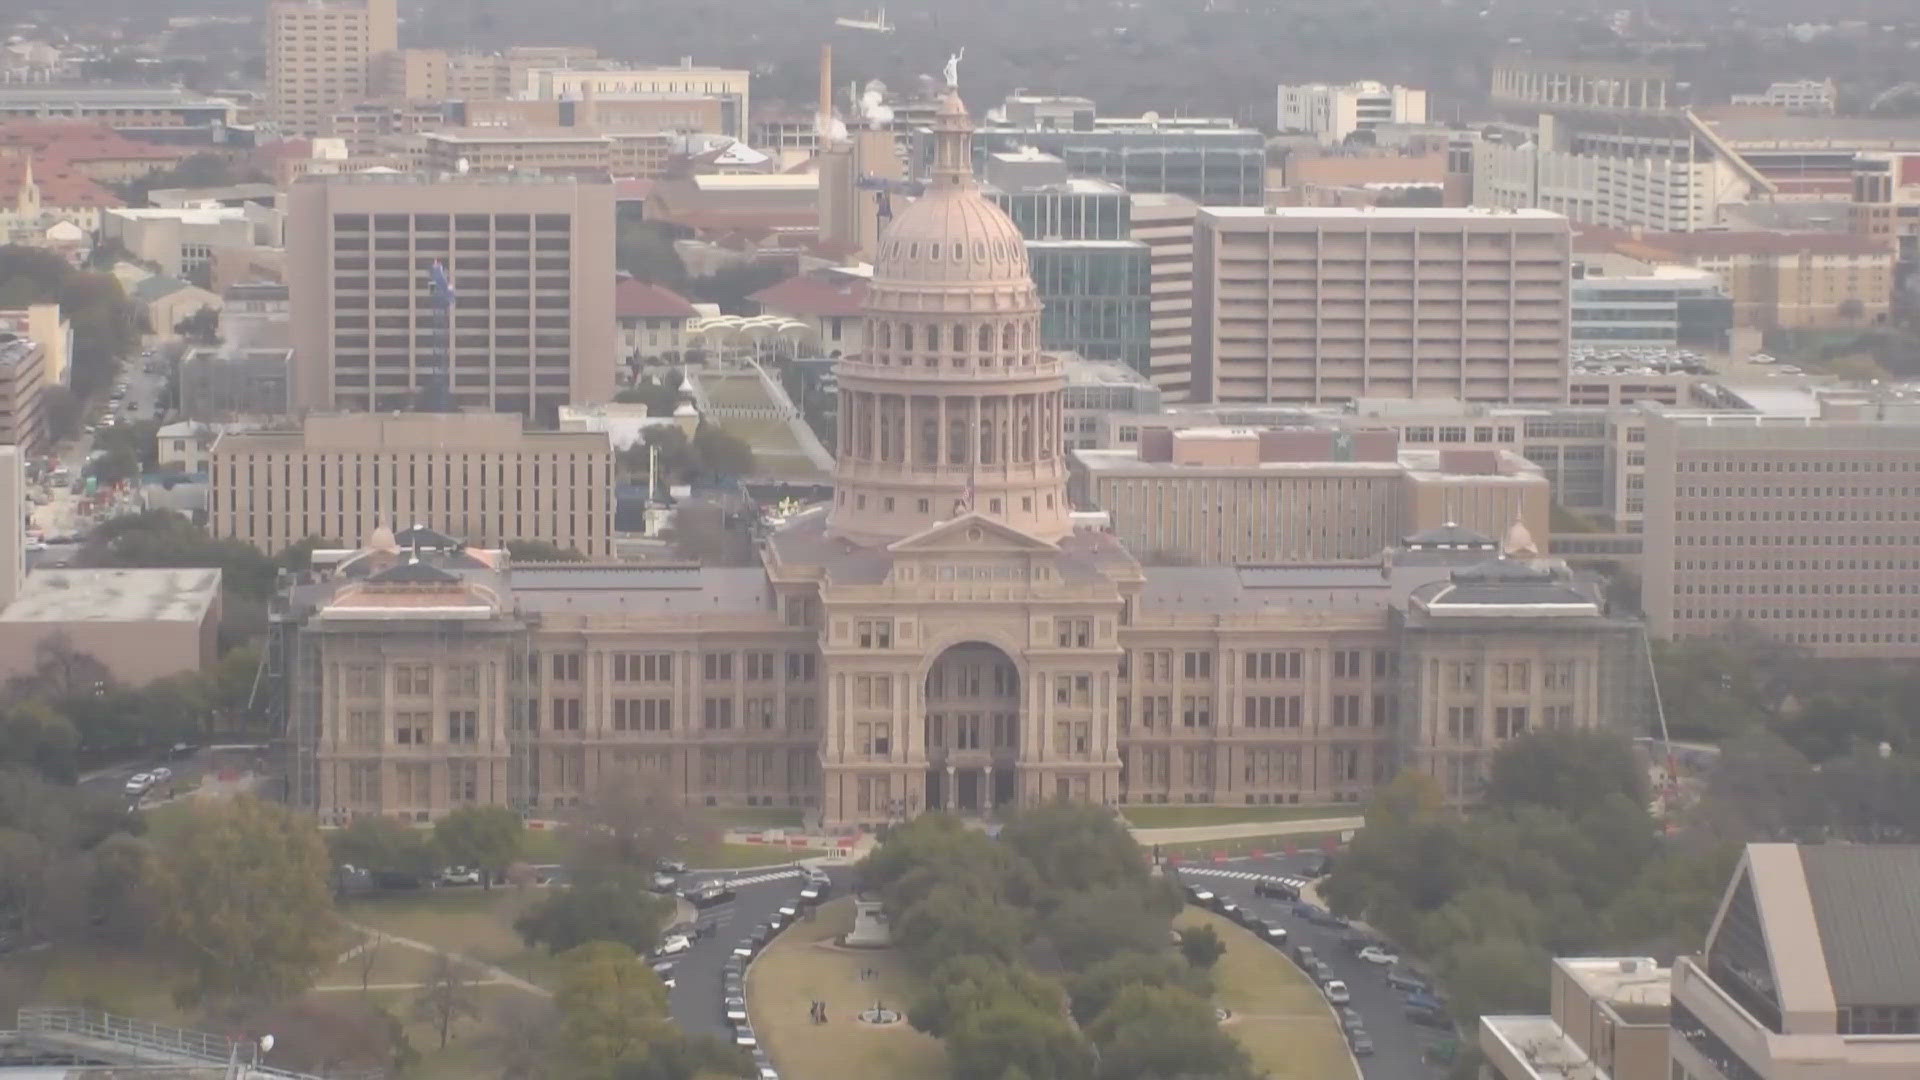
pixel 1374 954
pixel 1276 889
pixel 139 783
pixel 712 896
pixel 1337 992
pixel 1426 1017
pixel 1405 983
pixel 673 946
pixel 459 875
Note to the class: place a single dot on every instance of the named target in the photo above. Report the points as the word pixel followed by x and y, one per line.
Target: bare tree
pixel 520 1038
pixel 446 996
pixel 368 958
pixel 625 822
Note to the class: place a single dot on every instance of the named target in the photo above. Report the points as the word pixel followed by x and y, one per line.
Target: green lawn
pixel 472 922
pixel 802 966
pixel 1277 1013
pixel 1207 849
pixel 740 856
pixel 736 390
pixel 754 817
pixel 1173 817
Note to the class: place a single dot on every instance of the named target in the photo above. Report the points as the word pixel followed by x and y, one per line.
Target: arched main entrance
pixel 972 729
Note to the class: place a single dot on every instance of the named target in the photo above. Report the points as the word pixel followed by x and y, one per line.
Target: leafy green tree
pixel 389 849
pixel 485 837
pixel 1096 988
pixel 243 892
pixel 968 984
pixel 299 555
pixel 609 906
pixel 36 735
pixel 612 1009
pixel 645 250
pixel 987 1045
pixel 1162 1033
pixel 1078 847
pixel 201 328
pixel 1566 769
pixel 661 396
pixel 721 454
pixel 1201 945
pixel 953 922
pixel 1087 927
pixel 531 551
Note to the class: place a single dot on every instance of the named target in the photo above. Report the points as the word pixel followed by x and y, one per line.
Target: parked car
pixel 1322 972
pixel 1374 954
pixel 1361 1044
pixel 736 1009
pixel 712 896
pixel 1427 1000
pixel 1351 1021
pixel 1337 992
pixel 673 945
pixel 1275 889
pixel 1276 936
pixel 1201 898
pixel 459 875
pixel 1317 866
pixel 743 1037
pixel 1405 983
pixel 1304 956
pixel 1426 1017
pixel 1233 912
pixel 664 883
pixel 161 775
pixel 809 896
pixel 139 784
pixel 670 866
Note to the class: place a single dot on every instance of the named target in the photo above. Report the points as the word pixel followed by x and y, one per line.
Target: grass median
pixel 1278 1014
pixel 803 965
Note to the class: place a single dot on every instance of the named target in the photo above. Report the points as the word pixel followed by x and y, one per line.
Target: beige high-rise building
pixel 13 518
pixel 1801 527
pixel 943 633
pixel 1332 304
pixel 530 259
pixel 23 379
pixel 1164 222
pixel 472 475
pixel 320 58
pixel 730 85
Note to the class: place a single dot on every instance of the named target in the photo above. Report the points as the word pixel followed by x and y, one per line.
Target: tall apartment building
pixel 530 259
pixel 23 378
pixel 475 476
pixel 1214 495
pixel 1811 969
pixel 1329 304
pixel 1799 526
pixel 1332 113
pixel 1164 223
pixel 320 56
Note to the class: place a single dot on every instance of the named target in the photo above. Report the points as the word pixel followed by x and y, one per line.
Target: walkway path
pixel 1240 830
pixel 491 974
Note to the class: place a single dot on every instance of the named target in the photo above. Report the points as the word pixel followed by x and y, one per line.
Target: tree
pixel 1201 945
pixel 203 170
pixel 324 1035
pixel 201 328
pixel 968 984
pixel 1091 926
pixel 605 906
pixel 485 837
pixel 952 922
pixel 366 958
pixel 623 825
pixel 720 454
pixel 1851 309
pixel 531 551
pixel 243 893
pixel 1097 987
pixel 395 853
pixel 61 411
pixel 299 554
pixel 114 466
pixel 1566 769
pixel 660 395
pixel 120 903
pixel 645 250
pixel 612 1008
pixel 1158 1032
pixel 446 997
pixel 36 735
pixel 519 1036
pixel 988 1045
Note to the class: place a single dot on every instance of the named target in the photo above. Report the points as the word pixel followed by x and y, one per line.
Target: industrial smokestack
pixel 823 121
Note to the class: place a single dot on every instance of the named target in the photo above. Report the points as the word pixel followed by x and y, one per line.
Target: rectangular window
pixel 800 667
pixel 1509 721
pixel 717 667
pixel 1346 663
pixel 412 729
pixel 463 726
pixel 1198 665
pixel 413 680
pixel 1197 711
pixel 717 714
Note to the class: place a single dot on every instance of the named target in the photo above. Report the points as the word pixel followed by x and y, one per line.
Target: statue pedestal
pixel 870 928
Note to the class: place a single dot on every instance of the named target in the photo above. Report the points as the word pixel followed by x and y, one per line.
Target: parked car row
pixel 815 887
pixel 140 783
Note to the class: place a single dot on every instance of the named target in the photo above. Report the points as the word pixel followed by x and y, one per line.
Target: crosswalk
pixel 1243 875
pixel 762 879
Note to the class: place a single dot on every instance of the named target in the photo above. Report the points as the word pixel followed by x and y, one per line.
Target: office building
pixel 1608 1022
pixel 1308 305
pixel 1334 113
pixel 943 633
pixel 1093 276
pixel 1102 395
pixel 1886 201
pixel 47 326
pixel 1777 280
pixel 127 109
pixel 183 242
pixel 1673 307
pixel 1795 520
pixel 1297 495
pixel 530 260
pixel 140 624
pixel 468 474
pixel 1811 969
pixel 23 378
pixel 1165 224
pixel 731 86
pixel 320 56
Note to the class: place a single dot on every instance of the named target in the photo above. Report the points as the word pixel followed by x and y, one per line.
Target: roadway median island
pixel 1276 1013
pixel 804 964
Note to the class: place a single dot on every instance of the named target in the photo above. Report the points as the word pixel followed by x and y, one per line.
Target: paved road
pixel 695 1001
pixel 1398 1043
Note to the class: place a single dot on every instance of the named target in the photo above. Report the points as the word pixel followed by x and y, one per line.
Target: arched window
pixel 1006 337
pixel 906 336
pixel 1026 336
pixel 957 441
pixel 933 338
pixel 986 339
pixel 959 338
pixel 885 333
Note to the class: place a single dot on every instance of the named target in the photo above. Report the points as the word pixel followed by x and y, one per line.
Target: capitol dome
pixel 952 234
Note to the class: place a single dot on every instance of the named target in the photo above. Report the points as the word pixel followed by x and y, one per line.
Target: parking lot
pixel 1398 1044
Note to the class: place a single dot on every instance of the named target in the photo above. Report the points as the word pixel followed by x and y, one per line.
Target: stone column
pixel 986 788
pixel 950 798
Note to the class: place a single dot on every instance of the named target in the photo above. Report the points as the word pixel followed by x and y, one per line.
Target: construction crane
pixel 436 394
pixel 878 24
pixel 885 189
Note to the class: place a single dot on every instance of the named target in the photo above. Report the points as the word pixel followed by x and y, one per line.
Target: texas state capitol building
pixel 940 635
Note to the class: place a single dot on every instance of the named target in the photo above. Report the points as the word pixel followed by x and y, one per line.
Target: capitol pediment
pixel 973 533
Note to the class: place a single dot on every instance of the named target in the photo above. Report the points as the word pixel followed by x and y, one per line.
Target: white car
pixel 139 783
pixel 1337 992
pixel 161 775
pixel 459 875
pixel 736 1010
pixel 673 946
pixel 1374 954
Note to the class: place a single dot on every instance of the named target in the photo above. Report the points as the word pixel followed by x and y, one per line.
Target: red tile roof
pixel 61 188
pixel 813 294
pixel 76 140
pixel 641 299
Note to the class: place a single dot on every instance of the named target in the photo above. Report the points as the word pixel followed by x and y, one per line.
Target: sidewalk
pixel 1200 834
